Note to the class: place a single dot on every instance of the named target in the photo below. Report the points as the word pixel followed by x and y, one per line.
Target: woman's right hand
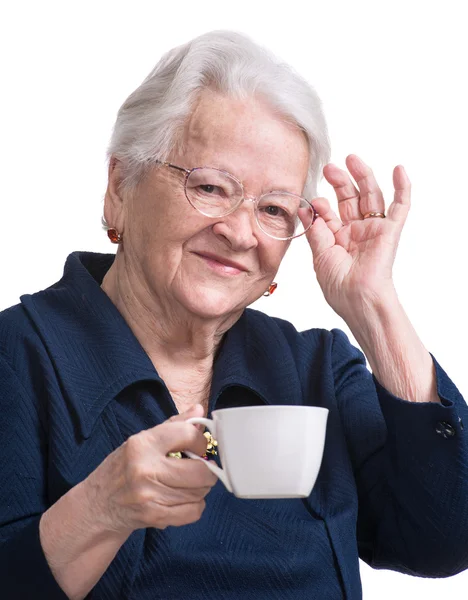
pixel 139 486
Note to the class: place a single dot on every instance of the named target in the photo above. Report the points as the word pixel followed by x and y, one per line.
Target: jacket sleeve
pixel 410 462
pixel 24 571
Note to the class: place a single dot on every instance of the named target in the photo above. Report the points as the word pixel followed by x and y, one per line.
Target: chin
pixel 211 302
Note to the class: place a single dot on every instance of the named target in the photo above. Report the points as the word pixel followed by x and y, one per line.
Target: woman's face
pixel 213 267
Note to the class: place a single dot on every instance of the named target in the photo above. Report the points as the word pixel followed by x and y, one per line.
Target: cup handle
pixel 209 424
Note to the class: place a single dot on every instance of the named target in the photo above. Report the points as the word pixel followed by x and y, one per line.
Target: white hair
pixel 150 122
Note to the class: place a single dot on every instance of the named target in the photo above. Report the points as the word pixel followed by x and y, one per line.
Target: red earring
pixel 272 287
pixel 114 236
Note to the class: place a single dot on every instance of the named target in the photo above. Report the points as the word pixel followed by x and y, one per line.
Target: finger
pixel 346 193
pixel 371 197
pixel 178 436
pixel 169 495
pixel 188 474
pixel 320 237
pixel 196 410
pixel 399 208
pixel 322 206
pixel 175 516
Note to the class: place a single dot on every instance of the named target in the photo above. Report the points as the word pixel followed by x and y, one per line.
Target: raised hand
pixel 353 255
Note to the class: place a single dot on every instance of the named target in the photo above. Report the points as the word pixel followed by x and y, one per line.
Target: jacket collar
pixel 96 355
pixel 256 355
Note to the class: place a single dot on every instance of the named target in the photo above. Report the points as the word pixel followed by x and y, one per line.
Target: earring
pixel 114 236
pixel 272 287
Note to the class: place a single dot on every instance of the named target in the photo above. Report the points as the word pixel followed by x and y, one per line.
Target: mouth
pixel 220 264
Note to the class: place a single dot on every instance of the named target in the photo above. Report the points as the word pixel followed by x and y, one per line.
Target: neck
pixel 166 330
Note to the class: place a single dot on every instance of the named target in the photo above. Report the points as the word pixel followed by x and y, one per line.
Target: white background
pixel 392 76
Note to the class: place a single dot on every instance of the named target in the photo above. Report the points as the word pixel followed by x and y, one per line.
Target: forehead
pixel 247 138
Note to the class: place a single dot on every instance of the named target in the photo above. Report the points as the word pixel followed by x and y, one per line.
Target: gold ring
pixel 371 215
pixel 211 448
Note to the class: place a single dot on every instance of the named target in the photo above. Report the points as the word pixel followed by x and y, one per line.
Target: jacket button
pixel 445 429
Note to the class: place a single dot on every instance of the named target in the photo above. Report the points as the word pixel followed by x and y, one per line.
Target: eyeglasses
pixel 216 193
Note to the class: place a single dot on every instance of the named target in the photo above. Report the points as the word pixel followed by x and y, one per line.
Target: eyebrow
pixel 229 172
pixel 270 189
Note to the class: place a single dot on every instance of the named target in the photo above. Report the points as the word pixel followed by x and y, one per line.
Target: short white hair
pixel 150 122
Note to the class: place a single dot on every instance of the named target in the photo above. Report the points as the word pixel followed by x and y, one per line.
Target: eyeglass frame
pixel 255 200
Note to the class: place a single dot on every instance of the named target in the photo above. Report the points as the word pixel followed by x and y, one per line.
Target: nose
pixel 238 229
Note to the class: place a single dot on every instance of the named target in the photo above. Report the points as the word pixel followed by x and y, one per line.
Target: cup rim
pixel 270 406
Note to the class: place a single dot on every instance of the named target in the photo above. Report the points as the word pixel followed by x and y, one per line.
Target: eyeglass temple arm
pixel 168 164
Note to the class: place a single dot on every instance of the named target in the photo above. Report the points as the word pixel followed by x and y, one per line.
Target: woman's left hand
pixel 353 256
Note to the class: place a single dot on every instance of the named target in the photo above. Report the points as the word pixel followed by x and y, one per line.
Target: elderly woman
pixel 213 166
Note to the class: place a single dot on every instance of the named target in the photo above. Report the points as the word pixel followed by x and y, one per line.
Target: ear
pixel 113 200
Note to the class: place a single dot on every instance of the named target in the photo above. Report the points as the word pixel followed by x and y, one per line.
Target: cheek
pixel 270 257
pixel 161 219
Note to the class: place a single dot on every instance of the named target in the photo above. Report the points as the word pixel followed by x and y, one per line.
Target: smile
pixel 220 265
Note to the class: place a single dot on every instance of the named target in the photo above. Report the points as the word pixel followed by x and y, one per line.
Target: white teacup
pixel 267 451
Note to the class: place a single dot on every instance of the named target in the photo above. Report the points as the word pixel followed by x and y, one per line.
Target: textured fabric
pixel 75 383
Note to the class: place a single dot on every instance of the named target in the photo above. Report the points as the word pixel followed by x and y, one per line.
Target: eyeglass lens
pixel 215 193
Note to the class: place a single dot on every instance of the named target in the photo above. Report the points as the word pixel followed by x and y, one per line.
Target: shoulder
pixel 27 327
pixel 306 344
pixel 16 331
pixel 23 356
pixel 259 322
pixel 22 359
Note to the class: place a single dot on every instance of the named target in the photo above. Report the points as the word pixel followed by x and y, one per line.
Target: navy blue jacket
pixel 75 383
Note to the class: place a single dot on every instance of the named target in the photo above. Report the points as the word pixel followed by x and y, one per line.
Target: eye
pixel 210 189
pixel 274 211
